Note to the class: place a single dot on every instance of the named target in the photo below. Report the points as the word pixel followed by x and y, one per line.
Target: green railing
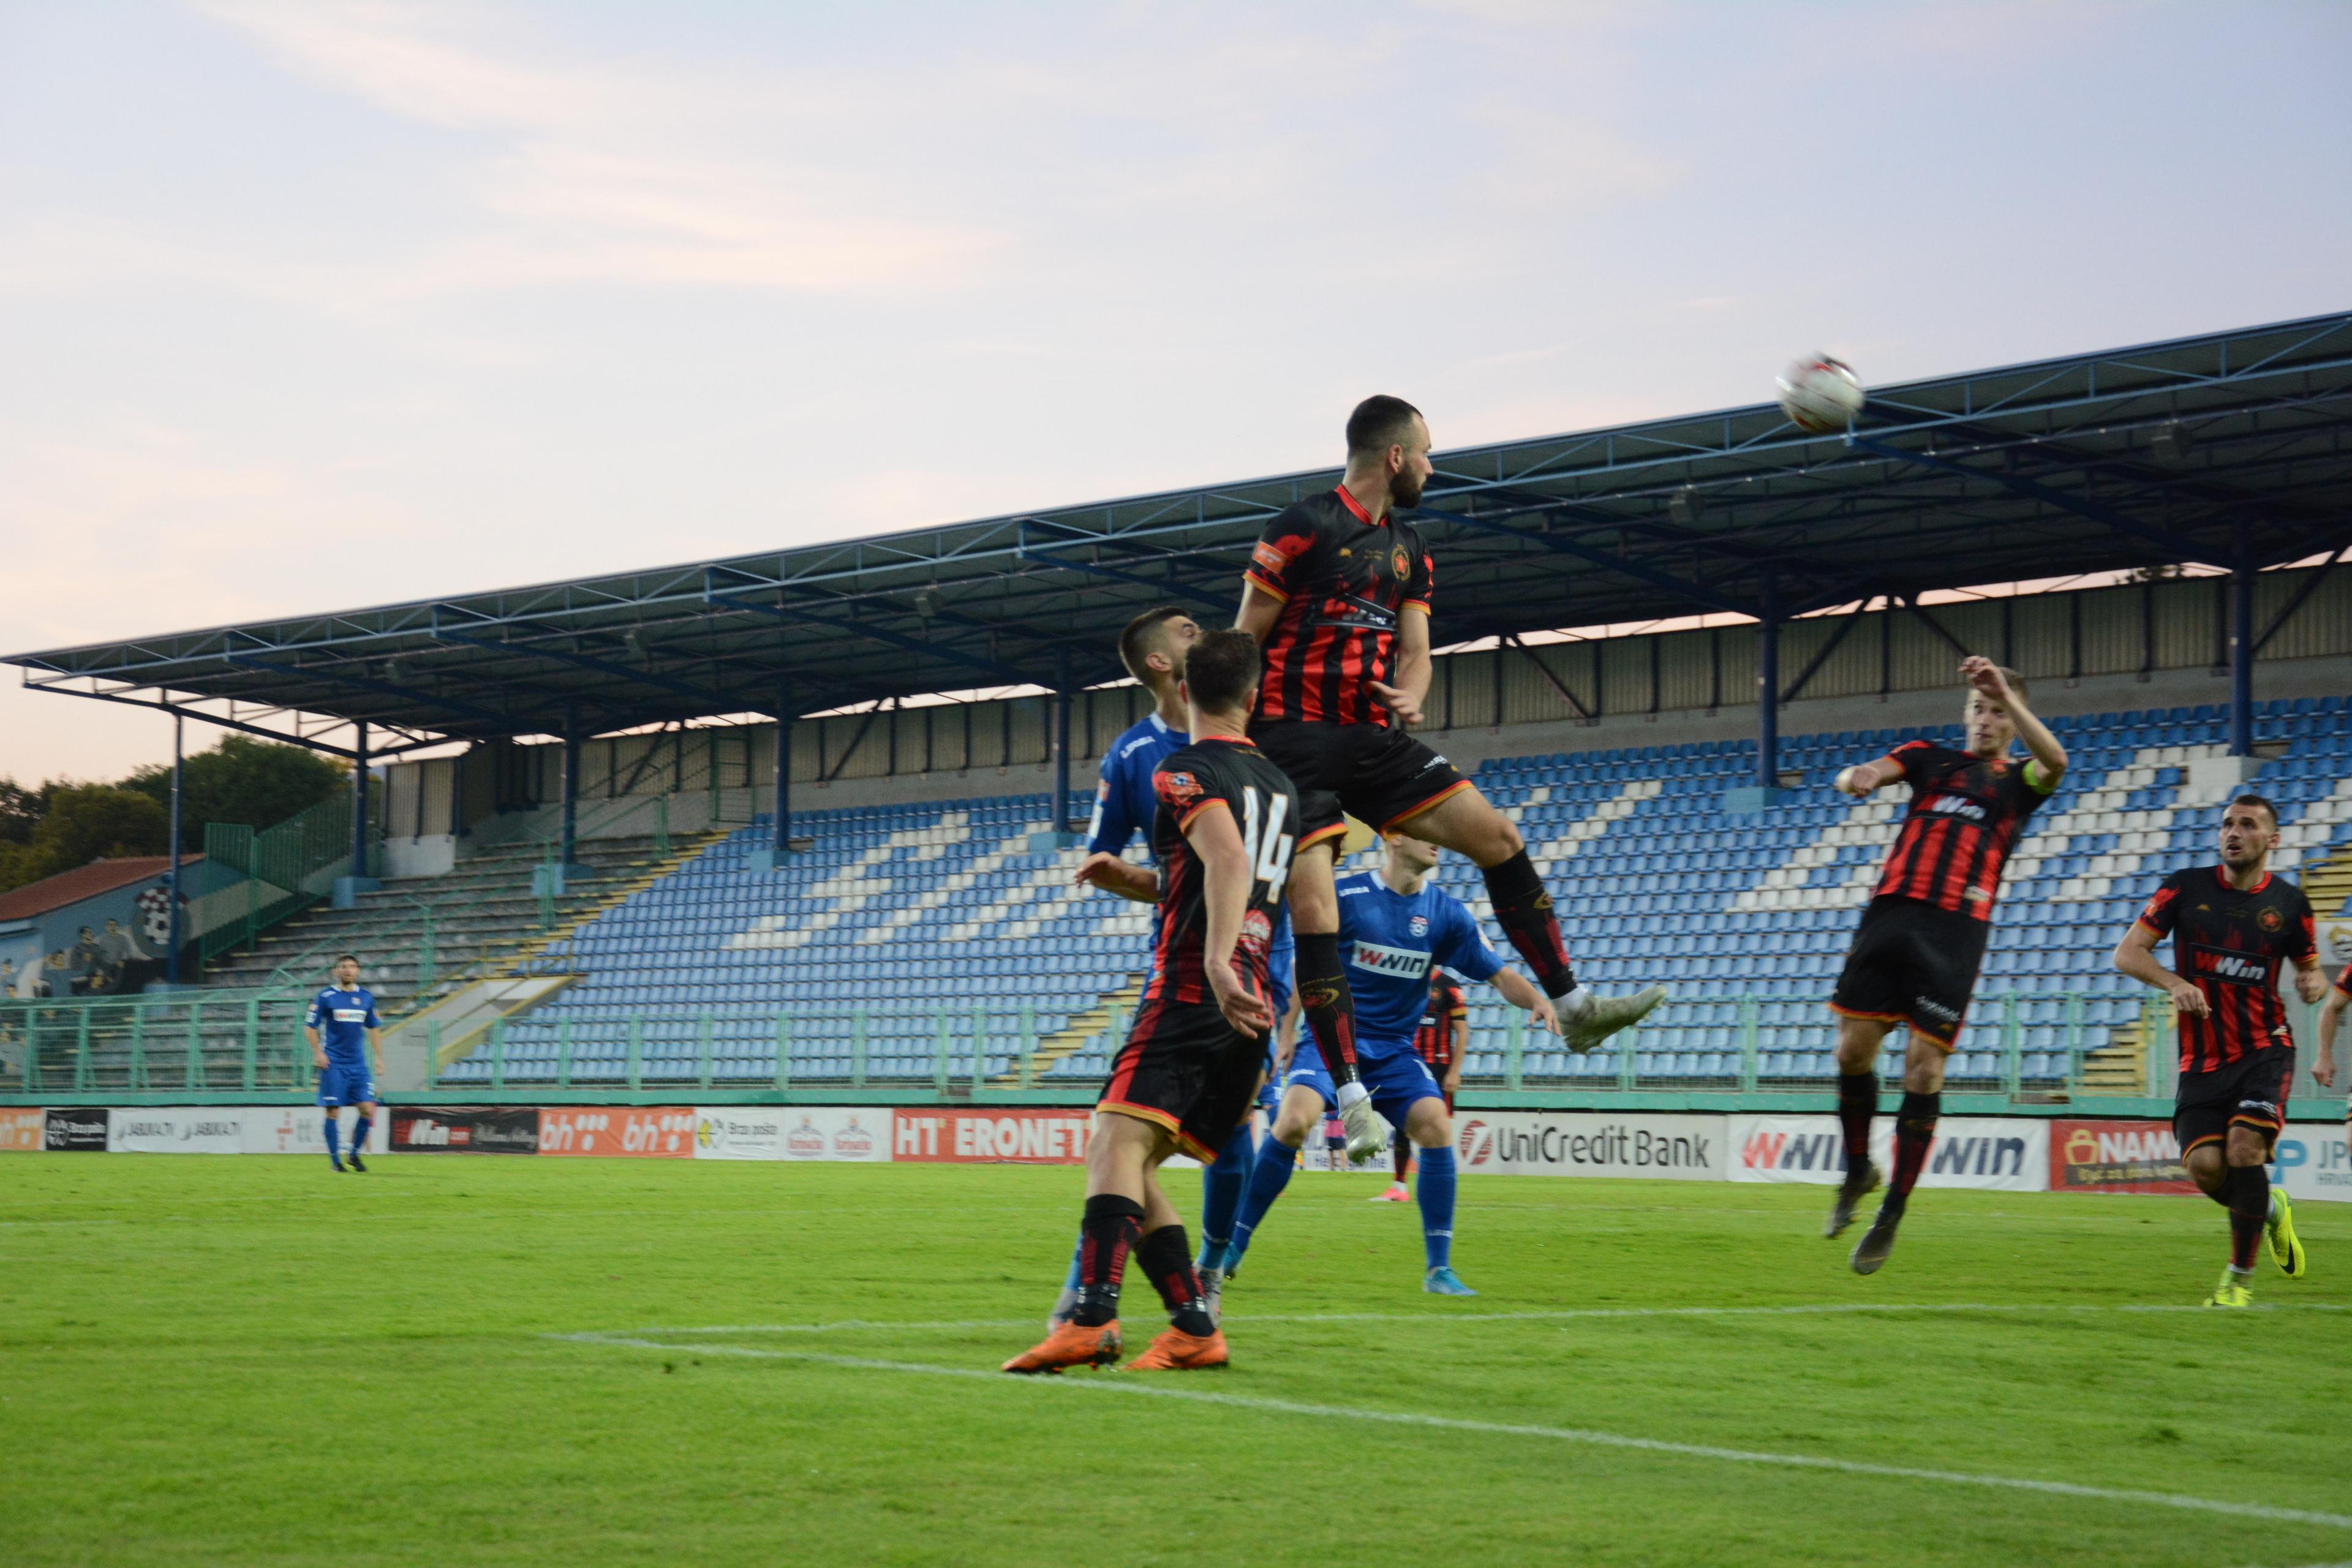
pixel 282 870
pixel 189 1042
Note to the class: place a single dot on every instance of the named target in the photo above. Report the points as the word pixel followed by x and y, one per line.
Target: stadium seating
pixel 929 943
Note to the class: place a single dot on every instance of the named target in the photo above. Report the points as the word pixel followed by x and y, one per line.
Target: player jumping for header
pixel 1396 926
pixel 2232 926
pixel 344 1032
pixel 1338 590
pixel 1915 953
pixel 1152 647
pixel 1222 833
pixel 1440 1042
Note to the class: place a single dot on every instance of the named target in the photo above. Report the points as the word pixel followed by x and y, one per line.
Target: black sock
pixel 1404 1156
pixel 1858 1103
pixel 1106 1236
pixel 1914 1130
pixel 2248 1188
pixel 1523 910
pixel 1329 1005
pixel 1166 1257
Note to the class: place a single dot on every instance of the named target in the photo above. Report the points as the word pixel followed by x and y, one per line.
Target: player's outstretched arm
pixel 1864 779
pixel 2331 1014
pixel 1414 668
pixel 1520 995
pixel 1258 613
pixel 1125 878
pixel 1225 875
pixel 2135 956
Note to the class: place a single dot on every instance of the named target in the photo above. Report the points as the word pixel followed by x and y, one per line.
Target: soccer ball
pixel 1820 395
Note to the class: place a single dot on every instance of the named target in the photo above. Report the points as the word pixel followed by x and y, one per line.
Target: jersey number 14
pixel 1264 842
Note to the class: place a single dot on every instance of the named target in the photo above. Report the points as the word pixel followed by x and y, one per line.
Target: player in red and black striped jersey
pixel 2331 1015
pixel 1183 1079
pixel 1338 590
pixel 1441 1041
pixel 2233 926
pixel 1915 952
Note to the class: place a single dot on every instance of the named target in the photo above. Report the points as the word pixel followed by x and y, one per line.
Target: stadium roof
pixel 2234 448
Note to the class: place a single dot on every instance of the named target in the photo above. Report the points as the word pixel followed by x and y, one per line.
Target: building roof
pixel 2230 447
pixel 83 882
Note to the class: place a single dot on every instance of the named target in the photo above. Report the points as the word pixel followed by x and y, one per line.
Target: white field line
pixel 1149 1390
pixel 1564 1314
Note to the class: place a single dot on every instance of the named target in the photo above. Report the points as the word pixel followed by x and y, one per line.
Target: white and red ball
pixel 1820 395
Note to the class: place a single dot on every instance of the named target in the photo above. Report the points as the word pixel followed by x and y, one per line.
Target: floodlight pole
pixel 1768 688
pixel 359 797
pixel 171 877
pixel 782 832
pixel 2241 642
pixel 571 813
pixel 1062 741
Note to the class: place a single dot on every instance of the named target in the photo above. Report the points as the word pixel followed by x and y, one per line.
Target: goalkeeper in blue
pixel 1394 926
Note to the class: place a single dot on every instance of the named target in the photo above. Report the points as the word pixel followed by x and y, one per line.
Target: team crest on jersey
pixel 1400 562
pixel 2270 919
pixel 1418 925
pixel 1178 790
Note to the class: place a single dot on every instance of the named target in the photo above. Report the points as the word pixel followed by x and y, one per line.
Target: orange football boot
pixel 1176 1351
pixel 1070 1345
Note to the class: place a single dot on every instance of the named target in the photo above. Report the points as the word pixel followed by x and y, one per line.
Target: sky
pixel 319 305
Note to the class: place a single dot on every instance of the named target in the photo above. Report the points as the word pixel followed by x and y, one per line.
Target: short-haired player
pixel 1915 953
pixel 1152 647
pixel 2233 927
pixel 1441 1042
pixel 1184 1076
pixel 1395 926
pixel 344 1033
pixel 1338 589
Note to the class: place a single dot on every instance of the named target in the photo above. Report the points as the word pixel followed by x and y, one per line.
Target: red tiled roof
pixel 83 882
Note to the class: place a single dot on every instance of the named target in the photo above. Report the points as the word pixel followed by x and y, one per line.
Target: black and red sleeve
pixel 1285 554
pixel 1187 786
pixel 2163 911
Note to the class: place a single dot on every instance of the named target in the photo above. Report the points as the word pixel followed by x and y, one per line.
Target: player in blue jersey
pixel 344 1034
pixel 1395 925
pixel 1152 647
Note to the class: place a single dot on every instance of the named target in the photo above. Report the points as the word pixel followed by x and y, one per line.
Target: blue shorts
pixel 1277 980
pixel 1394 1078
pixel 345 1083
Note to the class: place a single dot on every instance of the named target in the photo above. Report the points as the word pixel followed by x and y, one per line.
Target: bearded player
pixel 1440 1042
pixel 1152 647
pixel 1183 1080
pixel 1915 956
pixel 2232 925
pixel 1338 590
pixel 1396 926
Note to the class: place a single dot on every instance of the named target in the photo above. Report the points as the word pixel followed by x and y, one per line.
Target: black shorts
pixel 1186 1068
pixel 2251 1092
pixel 1377 774
pixel 1912 963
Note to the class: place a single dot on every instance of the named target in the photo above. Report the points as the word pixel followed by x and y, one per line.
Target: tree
pixel 85 823
pixel 20 810
pixel 258 782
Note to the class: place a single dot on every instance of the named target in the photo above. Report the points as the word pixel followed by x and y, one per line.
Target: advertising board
pixel 2116 1157
pixel 622 1131
pixel 1023 1136
pixel 73 1132
pixel 465 1130
pixel 295 1129
pixel 20 1130
pixel 2311 1161
pixel 176 1130
pixel 1579 1144
pixel 1998 1153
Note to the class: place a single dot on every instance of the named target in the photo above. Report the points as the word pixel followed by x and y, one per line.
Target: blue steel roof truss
pixel 2044 469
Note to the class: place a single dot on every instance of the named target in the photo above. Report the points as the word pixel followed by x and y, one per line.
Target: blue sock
pixel 1436 1197
pixel 360 1132
pixel 333 1128
pixel 1221 1194
pixel 1078 1249
pixel 1268 1175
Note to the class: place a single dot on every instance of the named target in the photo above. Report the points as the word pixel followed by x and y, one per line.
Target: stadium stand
pixel 931 945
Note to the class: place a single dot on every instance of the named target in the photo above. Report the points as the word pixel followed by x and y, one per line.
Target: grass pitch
pixel 253 1360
